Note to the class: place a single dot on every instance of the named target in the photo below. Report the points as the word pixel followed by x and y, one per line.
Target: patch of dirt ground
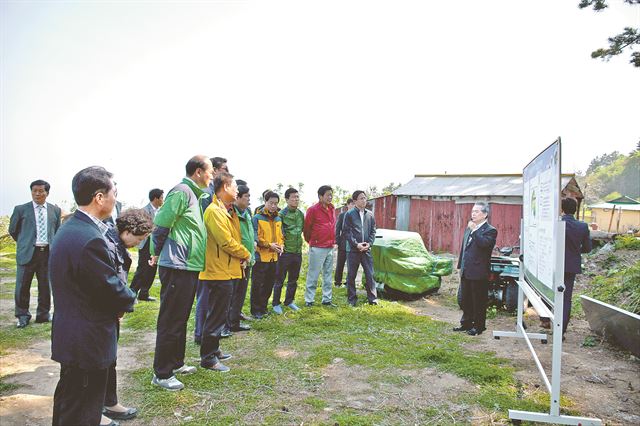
pixel 601 381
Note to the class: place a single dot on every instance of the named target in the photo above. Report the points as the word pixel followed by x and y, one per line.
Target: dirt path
pixel 36 376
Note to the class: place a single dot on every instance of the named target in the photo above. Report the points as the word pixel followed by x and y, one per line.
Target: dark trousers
pixel 176 298
pixel 38 266
pixel 474 303
pixel 237 300
pixel 569 279
pixel 201 312
pixel 342 259
pixel 217 295
pixel 288 265
pixel 264 274
pixel 111 395
pixel 354 260
pixel 79 396
pixel 144 275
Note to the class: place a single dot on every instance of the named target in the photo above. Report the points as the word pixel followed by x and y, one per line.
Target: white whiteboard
pixel 541 210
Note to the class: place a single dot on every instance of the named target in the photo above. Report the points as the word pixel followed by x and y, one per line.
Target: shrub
pixel 627 242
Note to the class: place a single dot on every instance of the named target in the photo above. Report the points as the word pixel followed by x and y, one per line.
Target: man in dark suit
pixel 577 240
pixel 33 226
pixel 342 246
pixel 475 264
pixel 145 273
pixel 359 231
pixel 89 297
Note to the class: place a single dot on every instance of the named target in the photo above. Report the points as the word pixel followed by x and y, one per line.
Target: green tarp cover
pixel 401 262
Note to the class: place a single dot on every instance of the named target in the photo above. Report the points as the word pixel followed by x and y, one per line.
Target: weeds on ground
pixel 627 242
pixel 621 289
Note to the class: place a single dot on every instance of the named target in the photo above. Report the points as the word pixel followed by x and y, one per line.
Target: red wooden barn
pixel 438 207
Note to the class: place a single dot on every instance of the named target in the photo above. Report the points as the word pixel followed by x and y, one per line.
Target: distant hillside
pixel 610 176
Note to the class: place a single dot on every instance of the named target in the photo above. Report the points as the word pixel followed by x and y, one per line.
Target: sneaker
pixel 278 309
pixel 308 304
pixel 293 307
pixel 329 304
pixel 185 369
pixel 223 357
pixel 226 333
pixel 219 367
pixel 171 384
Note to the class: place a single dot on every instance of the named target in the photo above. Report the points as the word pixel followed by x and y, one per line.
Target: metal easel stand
pixel 553 387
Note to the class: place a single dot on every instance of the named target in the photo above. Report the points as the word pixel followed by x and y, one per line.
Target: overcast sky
pixel 349 93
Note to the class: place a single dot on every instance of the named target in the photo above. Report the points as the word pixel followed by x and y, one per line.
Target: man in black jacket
pixel 474 264
pixel 89 297
pixel 359 231
pixel 342 245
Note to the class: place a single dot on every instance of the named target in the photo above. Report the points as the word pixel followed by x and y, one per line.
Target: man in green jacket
pixel 178 246
pixel 241 218
pixel 291 259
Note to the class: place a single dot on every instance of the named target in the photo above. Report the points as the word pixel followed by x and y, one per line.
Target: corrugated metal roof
pixel 609 206
pixel 466 185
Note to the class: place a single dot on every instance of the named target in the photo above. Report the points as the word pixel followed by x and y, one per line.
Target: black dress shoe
pixel 226 333
pixel 120 415
pixel 475 331
pixel 147 299
pixel 241 327
pixel 22 322
pixel 461 328
pixel 44 319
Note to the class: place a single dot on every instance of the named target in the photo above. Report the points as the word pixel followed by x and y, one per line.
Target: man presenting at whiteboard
pixel 577 240
pixel 474 264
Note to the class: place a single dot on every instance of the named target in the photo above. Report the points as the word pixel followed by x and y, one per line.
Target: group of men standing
pixel 205 242
pixel 207 245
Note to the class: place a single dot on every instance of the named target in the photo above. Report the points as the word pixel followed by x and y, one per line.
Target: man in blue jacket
pixel 577 240
pixel 89 298
pixel 359 230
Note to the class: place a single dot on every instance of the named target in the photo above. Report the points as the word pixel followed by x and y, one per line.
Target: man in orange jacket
pixel 267 227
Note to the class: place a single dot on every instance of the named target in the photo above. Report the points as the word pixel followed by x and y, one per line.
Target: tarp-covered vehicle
pixel 403 268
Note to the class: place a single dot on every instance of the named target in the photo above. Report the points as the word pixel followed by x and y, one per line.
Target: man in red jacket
pixel 319 232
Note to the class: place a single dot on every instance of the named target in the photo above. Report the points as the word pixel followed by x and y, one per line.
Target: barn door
pixel 402 213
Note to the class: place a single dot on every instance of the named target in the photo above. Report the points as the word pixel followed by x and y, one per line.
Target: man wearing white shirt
pixel 145 273
pixel 33 226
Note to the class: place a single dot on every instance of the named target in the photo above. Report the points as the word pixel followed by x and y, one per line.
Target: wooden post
pixel 613 210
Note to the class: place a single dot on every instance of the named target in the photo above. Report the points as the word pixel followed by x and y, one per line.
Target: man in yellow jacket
pixel 267 227
pixel 225 260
